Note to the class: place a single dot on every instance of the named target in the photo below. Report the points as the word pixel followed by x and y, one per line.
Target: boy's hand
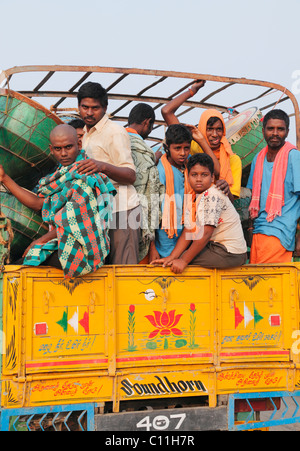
pixel 197 85
pixel 196 134
pixel 178 266
pixel 165 261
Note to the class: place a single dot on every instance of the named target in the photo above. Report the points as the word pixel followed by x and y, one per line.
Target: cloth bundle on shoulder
pixel 149 189
pixel 79 207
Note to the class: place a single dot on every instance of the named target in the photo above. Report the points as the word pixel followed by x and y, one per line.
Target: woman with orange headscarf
pixel 210 137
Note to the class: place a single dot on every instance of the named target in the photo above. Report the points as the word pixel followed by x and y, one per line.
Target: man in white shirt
pixel 107 145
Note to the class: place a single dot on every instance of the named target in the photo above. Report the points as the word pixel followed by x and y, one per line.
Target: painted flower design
pixel 131 328
pixel 164 323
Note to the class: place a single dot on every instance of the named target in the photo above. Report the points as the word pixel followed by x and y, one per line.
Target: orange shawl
pixel 275 199
pixel 169 216
pixel 225 148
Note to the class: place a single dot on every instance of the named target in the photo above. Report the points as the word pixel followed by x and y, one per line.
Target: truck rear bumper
pixel 84 416
pixel 183 419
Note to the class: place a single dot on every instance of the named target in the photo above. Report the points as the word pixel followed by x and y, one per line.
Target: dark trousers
pixel 52 260
pixel 215 255
pixel 124 236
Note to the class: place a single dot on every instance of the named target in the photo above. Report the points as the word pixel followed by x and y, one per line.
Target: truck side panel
pixel 138 333
pixel 258 314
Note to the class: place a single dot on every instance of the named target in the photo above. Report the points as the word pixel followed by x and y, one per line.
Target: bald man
pixel 64 144
pixel 64 148
pixel 81 193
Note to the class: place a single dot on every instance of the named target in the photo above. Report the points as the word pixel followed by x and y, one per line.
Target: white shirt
pixel 109 142
pixel 215 209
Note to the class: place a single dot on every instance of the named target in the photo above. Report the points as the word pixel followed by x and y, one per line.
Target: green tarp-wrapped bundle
pixel 27 225
pixel 25 128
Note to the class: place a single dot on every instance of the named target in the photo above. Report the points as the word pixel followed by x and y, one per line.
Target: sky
pixel 254 39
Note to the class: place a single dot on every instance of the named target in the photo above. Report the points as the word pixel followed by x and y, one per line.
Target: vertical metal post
pixel 3 255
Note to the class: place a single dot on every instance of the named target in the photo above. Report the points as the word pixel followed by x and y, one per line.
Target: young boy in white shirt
pixel 213 236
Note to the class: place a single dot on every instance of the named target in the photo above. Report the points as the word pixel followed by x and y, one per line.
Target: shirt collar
pixel 98 127
pixel 132 131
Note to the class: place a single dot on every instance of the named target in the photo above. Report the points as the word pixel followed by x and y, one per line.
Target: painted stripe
pixel 119 360
pixel 164 357
pixel 157 357
pixel 64 363
pixel 253 353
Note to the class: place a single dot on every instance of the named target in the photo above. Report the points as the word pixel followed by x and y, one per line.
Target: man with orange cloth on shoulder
pixel 275 184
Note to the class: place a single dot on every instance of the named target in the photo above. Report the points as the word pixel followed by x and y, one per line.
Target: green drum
pixel 244 133
pixel 27 224
pixel 68 117
pixel 25 128
pixel 242 207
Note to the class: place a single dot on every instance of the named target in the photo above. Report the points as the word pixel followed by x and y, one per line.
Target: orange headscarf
pixel 223 155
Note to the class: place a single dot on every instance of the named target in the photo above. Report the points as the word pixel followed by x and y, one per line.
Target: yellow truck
pixel 145 350
pixel 138 348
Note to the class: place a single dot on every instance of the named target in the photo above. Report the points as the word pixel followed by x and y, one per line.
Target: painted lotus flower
pixel 164 323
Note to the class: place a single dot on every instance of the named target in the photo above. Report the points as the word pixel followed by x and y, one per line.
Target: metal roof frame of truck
pixel 56 88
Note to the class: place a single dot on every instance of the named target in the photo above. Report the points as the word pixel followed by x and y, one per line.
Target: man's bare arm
pixel 168 111
pixel 26 197
pixel 123 175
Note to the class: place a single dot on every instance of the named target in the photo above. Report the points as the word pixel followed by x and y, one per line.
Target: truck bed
pixel 141 334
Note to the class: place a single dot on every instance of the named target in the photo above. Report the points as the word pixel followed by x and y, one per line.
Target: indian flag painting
pixel 247 317
pixel 74 321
